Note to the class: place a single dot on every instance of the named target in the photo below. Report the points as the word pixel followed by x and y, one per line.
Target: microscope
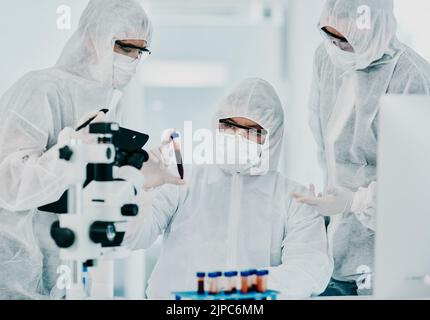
pixel 101 202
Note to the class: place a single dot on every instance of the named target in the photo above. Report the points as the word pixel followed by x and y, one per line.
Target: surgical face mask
pixel 124 69
pixel 346 61
pixel 236 154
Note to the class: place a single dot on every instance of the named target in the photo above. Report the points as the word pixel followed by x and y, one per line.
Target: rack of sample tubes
pixel 231 285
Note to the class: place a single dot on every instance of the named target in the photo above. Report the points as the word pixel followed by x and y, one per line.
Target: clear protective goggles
pixel 253 134
pixel 132 51
pixel 341 43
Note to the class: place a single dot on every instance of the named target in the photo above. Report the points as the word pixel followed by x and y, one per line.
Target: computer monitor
pixel 402 249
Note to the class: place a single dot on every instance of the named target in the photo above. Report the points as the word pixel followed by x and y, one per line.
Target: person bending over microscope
pixel 101 58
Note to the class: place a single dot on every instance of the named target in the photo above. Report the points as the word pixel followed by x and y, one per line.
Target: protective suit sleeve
pixel 31 175
pixel 410 76
pixel 364 205
pixel 157 209
pixel 408 79
pixel 306 266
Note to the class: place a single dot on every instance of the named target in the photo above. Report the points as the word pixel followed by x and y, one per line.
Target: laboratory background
pixel 200 49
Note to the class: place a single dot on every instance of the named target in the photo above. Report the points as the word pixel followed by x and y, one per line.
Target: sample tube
pixel 85 280
pixel 213 282
pixel 201 282
pixel 177 148
pixel 231 282
pixel 219 280
pixel 244 275
pixel 262 276
pixel 252 280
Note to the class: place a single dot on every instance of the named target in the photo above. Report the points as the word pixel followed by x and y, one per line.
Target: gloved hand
pixel 65 136
pixel 334 200
pixel 81 130
pixel 94 116
pixel 155 170
pixel 69 133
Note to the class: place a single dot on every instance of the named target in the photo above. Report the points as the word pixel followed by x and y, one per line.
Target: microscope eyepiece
pixel 104 128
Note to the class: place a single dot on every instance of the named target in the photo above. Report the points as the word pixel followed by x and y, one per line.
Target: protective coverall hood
pixel 369 26
pixel 89 52
pixel 257 100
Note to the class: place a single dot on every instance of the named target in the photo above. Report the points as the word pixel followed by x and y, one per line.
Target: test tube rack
pixel 191 295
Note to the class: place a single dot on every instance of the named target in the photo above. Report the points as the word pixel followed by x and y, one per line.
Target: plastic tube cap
pixel 262 272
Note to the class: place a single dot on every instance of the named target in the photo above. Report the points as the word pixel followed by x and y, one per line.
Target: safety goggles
pixel 340 42
pixel 257 134
pixel 132 51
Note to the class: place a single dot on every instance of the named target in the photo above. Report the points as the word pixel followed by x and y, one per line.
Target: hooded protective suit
pixel 344 115
pixel 224 221
pixel 32 114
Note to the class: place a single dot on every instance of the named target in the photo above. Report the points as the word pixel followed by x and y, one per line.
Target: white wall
pixel 302 39
pixel 29 36
pixel 414 24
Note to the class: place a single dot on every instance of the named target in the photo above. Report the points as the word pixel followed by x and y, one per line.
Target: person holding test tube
pixel 237 215
pixel 178 156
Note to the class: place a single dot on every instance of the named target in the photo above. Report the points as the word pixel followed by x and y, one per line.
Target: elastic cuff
pixel 359 201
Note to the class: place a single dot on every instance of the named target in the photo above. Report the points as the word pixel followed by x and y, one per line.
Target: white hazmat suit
pixel 222 221
pixel 32 114
pixel 344 117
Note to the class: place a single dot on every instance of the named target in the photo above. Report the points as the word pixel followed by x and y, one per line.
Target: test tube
pixel 201 282
pixel 244 281
pixel 231 282
pixel 213 282
pixel 177 148
pixel 252 280
pixel 219 280
pixel 262 276
pixel 85 279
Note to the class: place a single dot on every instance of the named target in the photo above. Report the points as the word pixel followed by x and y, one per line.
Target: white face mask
pixel 346 61
pixel 124 69
pixel 236 154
